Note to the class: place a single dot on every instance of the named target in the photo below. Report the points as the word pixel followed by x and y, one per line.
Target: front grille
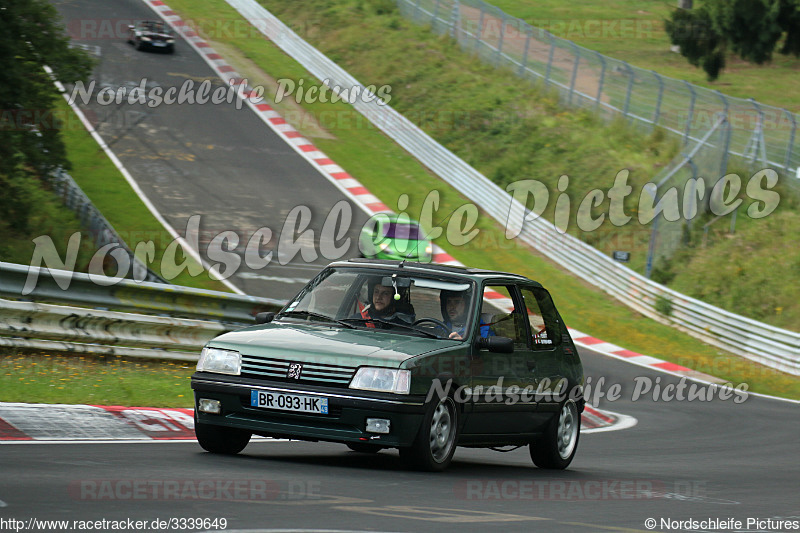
pixel 312 373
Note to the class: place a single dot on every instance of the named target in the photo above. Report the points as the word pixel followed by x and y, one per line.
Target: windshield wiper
pixel 395 324
pixel 311 314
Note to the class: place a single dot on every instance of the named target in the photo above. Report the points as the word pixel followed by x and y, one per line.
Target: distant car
pixel 152 34
pixel 419 357
pixel 388 236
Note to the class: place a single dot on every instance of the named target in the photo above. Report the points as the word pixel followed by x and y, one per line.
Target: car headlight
pixel 382 379
pixel 384 246
pixel 170 40
pixel 144 38
pixel 220 361
pixel 429 249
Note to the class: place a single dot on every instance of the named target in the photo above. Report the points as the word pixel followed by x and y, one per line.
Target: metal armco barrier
pixel 168 322
pixel 775 347
pixel 155 298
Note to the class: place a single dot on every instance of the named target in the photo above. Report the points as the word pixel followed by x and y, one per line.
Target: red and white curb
pixel 55 423
pixel 353 189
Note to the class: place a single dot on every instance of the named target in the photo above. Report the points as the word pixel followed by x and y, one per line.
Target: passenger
pixel 454 312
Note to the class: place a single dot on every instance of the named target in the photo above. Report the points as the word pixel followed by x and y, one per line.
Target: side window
pixel 499 317
pixel 543 320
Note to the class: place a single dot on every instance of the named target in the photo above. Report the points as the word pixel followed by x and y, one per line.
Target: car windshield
pixel 378 300
pixel 157 27
pixel 395 230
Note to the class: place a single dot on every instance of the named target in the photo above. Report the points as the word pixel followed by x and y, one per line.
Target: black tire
pixel 219 439
pixel 363 447
pixel 436 441
pixel 556 448
pixel 139 45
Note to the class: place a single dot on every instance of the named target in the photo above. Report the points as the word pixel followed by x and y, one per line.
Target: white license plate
pixel 289 402
pixel 159 43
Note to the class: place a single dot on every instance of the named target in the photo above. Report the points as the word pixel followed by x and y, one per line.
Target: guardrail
pixel 775 347
pixel 169 322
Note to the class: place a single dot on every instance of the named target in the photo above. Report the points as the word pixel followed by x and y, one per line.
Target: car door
pixel 502 384
pixel 547 362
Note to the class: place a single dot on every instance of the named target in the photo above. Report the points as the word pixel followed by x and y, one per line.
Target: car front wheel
pixel 557 447
pixel 435 443
pixel 218 439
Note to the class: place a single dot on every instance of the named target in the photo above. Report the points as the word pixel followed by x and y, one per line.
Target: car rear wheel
pixel 557 447
pixel 435 443
pixel 363 447
pixel 218 439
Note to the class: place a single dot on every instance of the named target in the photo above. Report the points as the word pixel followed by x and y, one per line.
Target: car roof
pixel 475 273
pixel 394 218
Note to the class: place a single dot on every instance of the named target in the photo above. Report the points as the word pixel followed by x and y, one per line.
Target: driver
pixel 384 306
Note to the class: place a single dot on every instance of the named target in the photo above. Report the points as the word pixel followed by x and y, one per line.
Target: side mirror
pixel 496 344
pixel 264 318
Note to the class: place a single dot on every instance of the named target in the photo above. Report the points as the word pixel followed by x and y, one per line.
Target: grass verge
pixel 43 378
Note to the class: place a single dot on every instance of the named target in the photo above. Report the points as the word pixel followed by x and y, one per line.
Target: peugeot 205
pixel 378 354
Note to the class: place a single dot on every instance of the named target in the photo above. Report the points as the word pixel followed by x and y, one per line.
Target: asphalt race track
pixel 684 459
pixel 212 160
pixel 704 460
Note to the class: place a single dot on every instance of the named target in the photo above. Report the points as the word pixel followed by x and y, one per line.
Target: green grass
pixel 42 378
pixel 633 31
pixel 48 217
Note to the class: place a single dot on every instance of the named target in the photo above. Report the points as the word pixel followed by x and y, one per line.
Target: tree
pixel 751 29
pixel 30 142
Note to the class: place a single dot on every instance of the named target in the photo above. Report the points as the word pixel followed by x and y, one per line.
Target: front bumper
pixel 346 421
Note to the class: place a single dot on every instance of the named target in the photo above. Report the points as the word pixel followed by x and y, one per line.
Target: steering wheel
pixel 437 323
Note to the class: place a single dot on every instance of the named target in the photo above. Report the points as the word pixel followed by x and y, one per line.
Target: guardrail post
pixel 416 10
pixel 602 79
pixel 549 58
pixel 691 112
pixel 788 160
pixel 574 71
pixel 435 14
pixel 632 78
pixel 528 35
pixel 658 99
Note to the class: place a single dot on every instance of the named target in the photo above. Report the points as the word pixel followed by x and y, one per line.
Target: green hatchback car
pixel 391 236
pixel 378 354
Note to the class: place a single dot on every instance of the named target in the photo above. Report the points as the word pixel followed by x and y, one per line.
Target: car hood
pixel 328 344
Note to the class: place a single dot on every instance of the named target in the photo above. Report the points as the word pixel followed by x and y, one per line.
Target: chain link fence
pixel 98 227
pixel 759 134
pixel 712 127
